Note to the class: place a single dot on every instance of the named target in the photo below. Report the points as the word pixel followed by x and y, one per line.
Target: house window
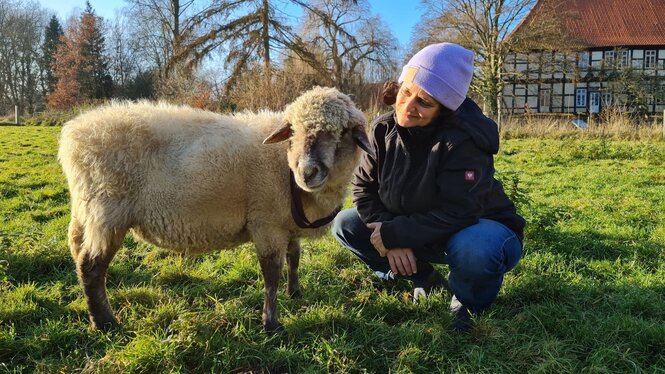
pixel 609 58
pixel 649 59
pixel 624 58
pixel 660 96
pixel 607 99
pixel 583 60
pixel 544 99
pixel 580 97
pixel 657 91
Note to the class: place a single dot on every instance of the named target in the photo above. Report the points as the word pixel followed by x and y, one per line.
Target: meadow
pixel 588 295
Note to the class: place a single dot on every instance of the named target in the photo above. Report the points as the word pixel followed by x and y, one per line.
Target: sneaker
pixel 424 286
pixel 461 316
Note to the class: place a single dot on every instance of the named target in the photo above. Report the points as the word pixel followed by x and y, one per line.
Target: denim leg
pixel 352 234
pixel 478 257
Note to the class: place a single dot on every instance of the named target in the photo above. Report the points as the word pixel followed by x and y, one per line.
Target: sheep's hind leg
pixel 92 264
pixel 271 267
pixel 293 261
pixel 75 236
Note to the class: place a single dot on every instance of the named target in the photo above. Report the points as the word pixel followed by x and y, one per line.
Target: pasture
pixel 588 296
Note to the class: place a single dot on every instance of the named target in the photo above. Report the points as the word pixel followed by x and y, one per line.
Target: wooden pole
pixel 663 124
pixel 498 109
pixel 16 114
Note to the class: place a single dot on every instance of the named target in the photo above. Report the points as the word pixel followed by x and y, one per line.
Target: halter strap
pixel 298 213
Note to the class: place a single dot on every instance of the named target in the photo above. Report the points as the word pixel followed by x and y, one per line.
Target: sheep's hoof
pixel 295 294
pixel 273 327
pixel 104 324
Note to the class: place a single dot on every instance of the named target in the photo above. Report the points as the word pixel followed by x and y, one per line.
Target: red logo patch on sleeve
pixel 470 176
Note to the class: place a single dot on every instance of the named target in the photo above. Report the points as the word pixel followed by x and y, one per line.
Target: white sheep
pixel 195 181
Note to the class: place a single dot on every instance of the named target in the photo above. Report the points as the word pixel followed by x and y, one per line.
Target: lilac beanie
pixel 443 70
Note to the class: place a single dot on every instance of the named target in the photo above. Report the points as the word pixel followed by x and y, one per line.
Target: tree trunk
pixel 175 13
pixel 265 19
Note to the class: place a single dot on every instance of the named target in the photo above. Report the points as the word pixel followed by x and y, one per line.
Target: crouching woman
pixel 428 194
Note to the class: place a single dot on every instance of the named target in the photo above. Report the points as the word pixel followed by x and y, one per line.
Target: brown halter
pixel 298 213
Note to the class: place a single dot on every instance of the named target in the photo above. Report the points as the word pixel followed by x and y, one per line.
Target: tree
pixel 251 35
pixel 160 28
pixel 122 62
pixel 342 41
pixel 93 75
pixel 254 32
pixel 142 86
pixel 81 69
pixel 66 67
pixel 635 91
pixel 52 36
pixel 484 26
pixel 21 25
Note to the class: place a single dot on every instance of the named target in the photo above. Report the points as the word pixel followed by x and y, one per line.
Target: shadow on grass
pixel 591 317
pixel 595 246
pixel 573 300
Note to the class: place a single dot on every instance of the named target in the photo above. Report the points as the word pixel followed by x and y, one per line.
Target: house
pixel 612 54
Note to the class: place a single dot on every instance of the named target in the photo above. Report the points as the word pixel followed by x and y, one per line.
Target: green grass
pixel 588 296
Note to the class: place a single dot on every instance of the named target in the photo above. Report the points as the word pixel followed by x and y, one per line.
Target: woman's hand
pixel 402 261
pixel 375 238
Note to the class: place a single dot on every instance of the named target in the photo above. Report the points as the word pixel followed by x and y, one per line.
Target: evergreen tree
pixel 52 36
pixel 94 77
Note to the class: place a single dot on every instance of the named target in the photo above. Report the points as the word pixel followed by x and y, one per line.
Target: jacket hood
pixel 483 130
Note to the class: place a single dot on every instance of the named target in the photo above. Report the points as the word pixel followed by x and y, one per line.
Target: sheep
pixel 195 181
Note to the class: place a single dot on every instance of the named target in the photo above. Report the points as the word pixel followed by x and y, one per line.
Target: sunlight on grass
pixel 587 296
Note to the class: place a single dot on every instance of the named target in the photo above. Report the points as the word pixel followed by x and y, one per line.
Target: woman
pixel 427 194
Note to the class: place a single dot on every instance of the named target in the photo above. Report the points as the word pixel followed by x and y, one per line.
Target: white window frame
pixel 583 60
pixel 580 97
pixel 610 58
pixel 624 58
pixel 650 59
pixel 660 99
pixel 544 97
pixel 606 99
pixel 594 102
pixel 595 99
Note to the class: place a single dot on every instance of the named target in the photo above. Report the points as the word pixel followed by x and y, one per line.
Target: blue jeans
pixel 478 256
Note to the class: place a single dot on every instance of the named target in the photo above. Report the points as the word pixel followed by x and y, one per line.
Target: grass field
pixel 588 296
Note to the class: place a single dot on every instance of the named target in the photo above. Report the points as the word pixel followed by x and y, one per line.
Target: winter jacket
pixel 427 183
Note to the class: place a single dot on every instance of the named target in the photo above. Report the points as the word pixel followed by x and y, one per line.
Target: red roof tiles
pixel 605 23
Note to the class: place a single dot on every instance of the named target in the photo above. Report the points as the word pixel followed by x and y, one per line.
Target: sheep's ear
pixel 279 135
pixel 357 123
pixel 360 138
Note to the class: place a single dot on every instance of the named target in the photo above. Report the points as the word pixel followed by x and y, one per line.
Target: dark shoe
pixel 461 316
pixel 425 285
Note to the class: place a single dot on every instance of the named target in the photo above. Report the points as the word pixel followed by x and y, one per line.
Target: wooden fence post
pixel 663 124
pixel 16 114
pixel 498 109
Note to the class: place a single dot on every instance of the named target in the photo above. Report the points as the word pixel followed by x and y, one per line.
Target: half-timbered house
pixel 613 55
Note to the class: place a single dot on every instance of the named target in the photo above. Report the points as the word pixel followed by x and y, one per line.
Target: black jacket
pixel 425 184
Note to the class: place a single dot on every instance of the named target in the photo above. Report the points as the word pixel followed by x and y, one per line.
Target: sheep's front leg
pixel 271 267
pixel 293 261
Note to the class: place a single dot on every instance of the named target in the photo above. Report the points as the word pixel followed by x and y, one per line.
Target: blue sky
pixel 400 15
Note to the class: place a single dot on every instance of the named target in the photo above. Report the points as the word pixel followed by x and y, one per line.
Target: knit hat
pixel 443 70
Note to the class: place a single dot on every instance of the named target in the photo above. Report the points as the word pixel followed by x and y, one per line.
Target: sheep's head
pixel 323 127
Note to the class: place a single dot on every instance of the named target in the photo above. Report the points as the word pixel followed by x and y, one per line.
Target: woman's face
pixel 415 107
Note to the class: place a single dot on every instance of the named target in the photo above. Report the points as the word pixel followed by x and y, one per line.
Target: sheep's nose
pixel 309 172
